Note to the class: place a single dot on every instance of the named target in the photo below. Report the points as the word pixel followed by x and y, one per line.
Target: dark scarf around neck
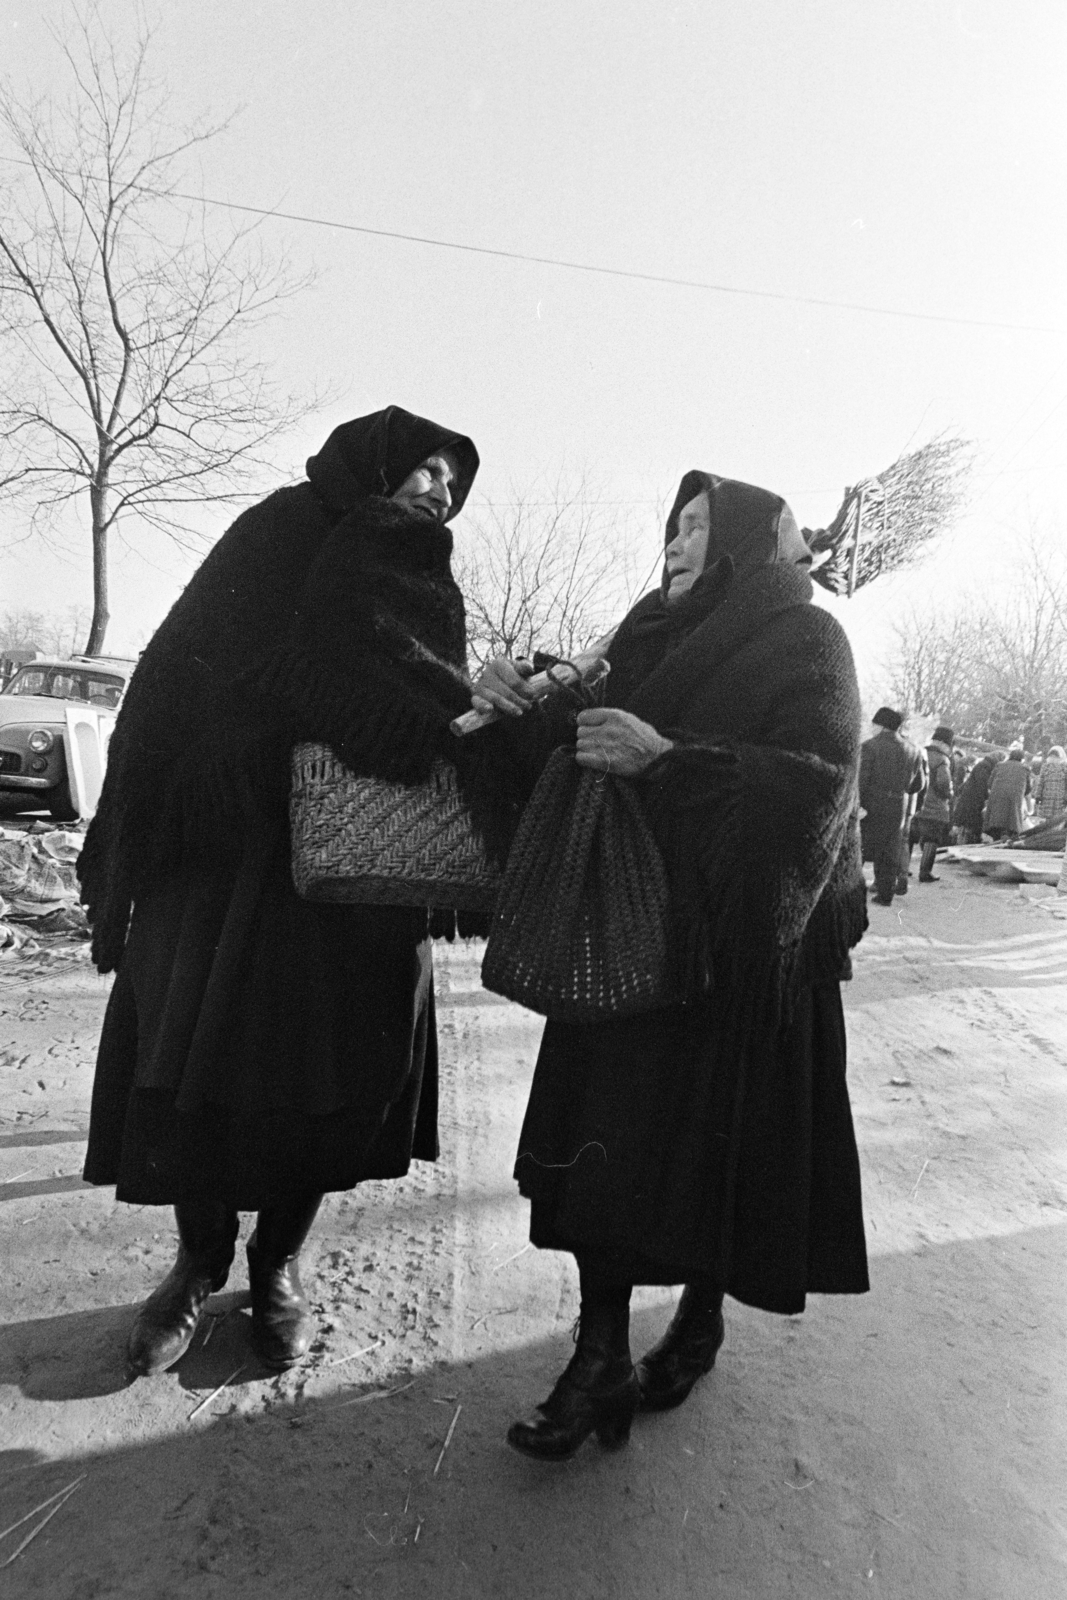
pixel 657 647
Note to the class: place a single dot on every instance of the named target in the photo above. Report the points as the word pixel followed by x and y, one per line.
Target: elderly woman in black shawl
pixel 709 1143
pixel 258 1050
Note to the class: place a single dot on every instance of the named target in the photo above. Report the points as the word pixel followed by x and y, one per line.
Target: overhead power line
pixel 623 272
pixel 703 285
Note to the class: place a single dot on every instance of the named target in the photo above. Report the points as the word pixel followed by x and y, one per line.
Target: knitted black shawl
pixel 757 805
pixel 324 613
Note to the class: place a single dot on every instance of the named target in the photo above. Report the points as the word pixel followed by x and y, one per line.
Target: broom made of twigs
pixel 883 523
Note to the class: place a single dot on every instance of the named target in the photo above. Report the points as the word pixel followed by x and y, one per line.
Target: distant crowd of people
pixel 940 794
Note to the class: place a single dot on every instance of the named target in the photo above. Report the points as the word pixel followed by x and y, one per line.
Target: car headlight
pixel 40 740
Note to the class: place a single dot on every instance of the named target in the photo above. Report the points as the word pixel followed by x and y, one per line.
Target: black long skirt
pixel 651 1145
pixel 256 1046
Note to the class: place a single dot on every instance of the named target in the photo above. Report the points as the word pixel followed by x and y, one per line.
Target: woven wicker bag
pixel 365 841
pixel 581 927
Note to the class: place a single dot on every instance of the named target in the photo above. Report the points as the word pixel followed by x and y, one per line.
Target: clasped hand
pixel 609 740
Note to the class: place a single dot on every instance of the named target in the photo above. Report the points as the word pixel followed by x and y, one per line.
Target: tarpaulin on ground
pixel 38 886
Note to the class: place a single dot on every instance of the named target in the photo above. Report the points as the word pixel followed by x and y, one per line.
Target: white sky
pixel 908 154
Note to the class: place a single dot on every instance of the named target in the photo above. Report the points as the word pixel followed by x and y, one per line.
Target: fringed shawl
pixel 300 624
pixel 756 807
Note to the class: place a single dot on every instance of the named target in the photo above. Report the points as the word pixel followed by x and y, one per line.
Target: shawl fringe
pixel 294 628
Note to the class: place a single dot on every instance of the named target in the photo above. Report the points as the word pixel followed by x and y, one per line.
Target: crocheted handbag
pixel 365 841
pixel 580 930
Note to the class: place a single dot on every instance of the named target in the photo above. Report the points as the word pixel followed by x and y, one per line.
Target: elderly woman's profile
pixel 708 1143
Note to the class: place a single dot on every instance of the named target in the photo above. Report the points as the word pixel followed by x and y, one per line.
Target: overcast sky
pixel 908 154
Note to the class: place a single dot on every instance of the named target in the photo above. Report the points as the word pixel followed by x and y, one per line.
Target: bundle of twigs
pixel 883 523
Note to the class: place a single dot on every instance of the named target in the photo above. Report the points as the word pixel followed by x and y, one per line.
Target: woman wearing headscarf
pixel 1004 812
pixel 1050 791
pixel 930 824
pixel 258 1050
pixel 709 1143
pixel 970 802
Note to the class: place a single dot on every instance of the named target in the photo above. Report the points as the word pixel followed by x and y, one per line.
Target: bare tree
pixel 47 632
pixel 553 568
pixel 124 384
pixel 995 669
pixel 938 667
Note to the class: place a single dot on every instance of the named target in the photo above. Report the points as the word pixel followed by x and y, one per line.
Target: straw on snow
pixel 365 1399
pixel 339 1361
pixel 216 1392
pixel 448 1439
pixel 60 1498
pixel 66 1489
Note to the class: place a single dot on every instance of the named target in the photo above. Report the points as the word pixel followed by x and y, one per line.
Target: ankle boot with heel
pixel 687 1351
pixel 597 1393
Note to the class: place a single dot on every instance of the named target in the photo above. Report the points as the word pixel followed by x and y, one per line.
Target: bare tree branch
pixel 552 569
pixel 123 313
pixel 994 669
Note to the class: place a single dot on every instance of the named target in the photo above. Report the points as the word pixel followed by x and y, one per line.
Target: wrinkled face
pixel 792 546
pixel 688 550
pixel 428 489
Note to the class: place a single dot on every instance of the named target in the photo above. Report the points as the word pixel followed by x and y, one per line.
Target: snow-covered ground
pixel 908 1444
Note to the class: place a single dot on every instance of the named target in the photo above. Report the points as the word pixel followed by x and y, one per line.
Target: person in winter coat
pixel 1003 814
pixel 932 820
pixel 960 769
pixel 1050 791
pixel 259 1050
pixel 891 776
pixel 709 1143
pixel 967 813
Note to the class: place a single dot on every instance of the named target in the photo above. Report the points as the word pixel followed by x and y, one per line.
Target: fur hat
pixel 886 717
pixel 945 735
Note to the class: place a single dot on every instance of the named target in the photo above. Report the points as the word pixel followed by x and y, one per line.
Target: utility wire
pixel 655 500
pixel 700 284
pixel 1030 438
pixel 623 272
pixel 1037 396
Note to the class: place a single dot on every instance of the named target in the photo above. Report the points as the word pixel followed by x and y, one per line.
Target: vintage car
pixel 33 726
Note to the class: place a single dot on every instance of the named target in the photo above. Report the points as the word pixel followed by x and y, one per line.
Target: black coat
pixel 716 1137
pixel 891 772
pixel 255 1045
pixel 971 800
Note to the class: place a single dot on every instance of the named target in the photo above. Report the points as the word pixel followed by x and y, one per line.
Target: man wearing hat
pixel 891 771
pixel 930 825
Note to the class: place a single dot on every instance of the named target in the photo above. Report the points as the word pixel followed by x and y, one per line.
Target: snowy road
pixel 908 1444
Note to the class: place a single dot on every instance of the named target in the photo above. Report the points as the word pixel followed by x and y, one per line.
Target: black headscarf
pixel 750 528
pixel 374 454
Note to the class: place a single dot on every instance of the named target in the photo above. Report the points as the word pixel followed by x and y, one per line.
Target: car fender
pixel 85 744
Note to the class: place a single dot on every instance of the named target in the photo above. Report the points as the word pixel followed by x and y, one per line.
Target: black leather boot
pixel 687 1350
pixel 597 1393
pixel 282 1325
pixel 168 1319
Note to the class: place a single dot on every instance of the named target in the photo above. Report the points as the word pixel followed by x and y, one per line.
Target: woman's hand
pixel 616 741
pixel 501 686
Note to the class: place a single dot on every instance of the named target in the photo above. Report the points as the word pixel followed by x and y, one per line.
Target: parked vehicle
pixel 33 726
